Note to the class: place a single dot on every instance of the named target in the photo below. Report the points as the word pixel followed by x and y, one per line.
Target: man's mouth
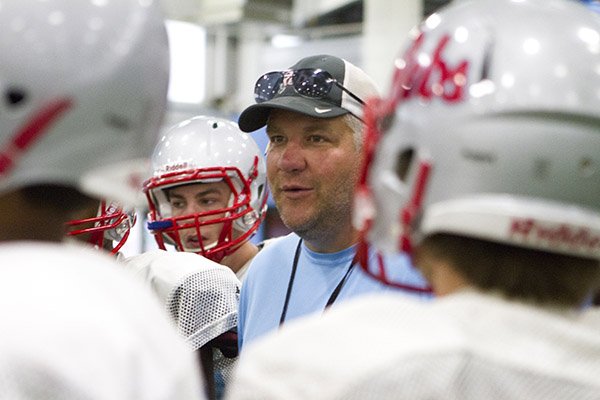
pixel 296 192
pixel 294 188
pixel 192 241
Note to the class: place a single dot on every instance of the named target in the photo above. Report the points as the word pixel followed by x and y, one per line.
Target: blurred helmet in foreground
pixel 83 89
pixel 491 130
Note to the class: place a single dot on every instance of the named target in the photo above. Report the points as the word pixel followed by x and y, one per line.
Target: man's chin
pixel 299 226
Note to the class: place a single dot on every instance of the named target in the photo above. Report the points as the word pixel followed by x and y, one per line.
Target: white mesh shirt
pixel 200 295
pixel 205 304
pixel 74 326
pixel 202 299
pixel 466 346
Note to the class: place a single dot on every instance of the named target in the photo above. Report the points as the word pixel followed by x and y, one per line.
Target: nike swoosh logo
pixel 322 110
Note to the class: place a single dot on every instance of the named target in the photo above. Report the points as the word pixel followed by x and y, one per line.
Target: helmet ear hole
pixel 403 163
pixel 259 191
pixel 15 96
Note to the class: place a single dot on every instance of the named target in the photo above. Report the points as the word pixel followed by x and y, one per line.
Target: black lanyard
pixel 334 294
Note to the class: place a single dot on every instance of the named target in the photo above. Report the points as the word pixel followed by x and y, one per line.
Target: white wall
pixel 258 57
pixel 386 27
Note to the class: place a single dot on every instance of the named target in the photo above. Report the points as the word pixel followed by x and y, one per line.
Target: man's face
pixel 312 166
pixel 199 198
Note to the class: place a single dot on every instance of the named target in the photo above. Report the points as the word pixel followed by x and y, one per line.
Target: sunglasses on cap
pixel 312 83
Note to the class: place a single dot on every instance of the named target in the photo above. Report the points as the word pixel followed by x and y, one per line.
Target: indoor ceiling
pixel 281 12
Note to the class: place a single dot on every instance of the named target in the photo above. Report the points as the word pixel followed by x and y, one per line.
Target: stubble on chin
pixel 313 227
pixel 293 222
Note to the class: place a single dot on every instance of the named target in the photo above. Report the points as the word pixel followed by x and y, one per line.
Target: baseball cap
pixel 337 101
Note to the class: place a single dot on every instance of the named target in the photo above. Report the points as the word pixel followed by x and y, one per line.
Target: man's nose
pixel 292 157
pixel 192 207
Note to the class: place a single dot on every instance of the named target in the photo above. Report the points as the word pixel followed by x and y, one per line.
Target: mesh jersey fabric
pixel 267 279
pixel 75 326
pixel 200 295
pixel 467 346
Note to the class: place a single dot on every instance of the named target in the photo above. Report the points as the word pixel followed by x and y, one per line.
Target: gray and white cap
pixel 337 102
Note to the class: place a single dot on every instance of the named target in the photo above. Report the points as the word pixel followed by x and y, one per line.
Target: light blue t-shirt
pixel 317 275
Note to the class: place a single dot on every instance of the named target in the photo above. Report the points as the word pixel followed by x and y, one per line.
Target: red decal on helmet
pixel 436 79
pixel 528 229
pixel 30 133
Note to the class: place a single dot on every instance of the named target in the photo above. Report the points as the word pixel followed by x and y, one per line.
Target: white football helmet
pixel 84 88
pixel 207 150
pixel 112 223
pixel 491 130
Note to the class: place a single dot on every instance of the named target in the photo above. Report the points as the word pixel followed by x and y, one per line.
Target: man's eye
pixel 316 139
pixel 177 204
pixel 276 139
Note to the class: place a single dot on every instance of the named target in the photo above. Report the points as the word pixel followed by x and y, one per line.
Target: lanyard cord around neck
pixel 334 294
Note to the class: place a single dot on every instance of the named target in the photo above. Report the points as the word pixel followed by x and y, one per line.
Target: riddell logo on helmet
pixel 529 230
pixel 176 167
pixel 435 79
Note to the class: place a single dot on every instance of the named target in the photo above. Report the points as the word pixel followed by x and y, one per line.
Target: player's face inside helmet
pixel 207 193
pixel 202 202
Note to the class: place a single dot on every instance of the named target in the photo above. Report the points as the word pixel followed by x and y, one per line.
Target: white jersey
pixel 74 326
pixel 200 295
pixel 466 346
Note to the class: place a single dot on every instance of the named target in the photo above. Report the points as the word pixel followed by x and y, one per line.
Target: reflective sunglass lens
pixel 267 86
pixel 311 83
pixel 308 82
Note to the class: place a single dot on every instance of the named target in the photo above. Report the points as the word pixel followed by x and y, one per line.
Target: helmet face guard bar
pixel 111 223
pixel 168 230
pixel 378 114
pixel 172 226
pixel 379 270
